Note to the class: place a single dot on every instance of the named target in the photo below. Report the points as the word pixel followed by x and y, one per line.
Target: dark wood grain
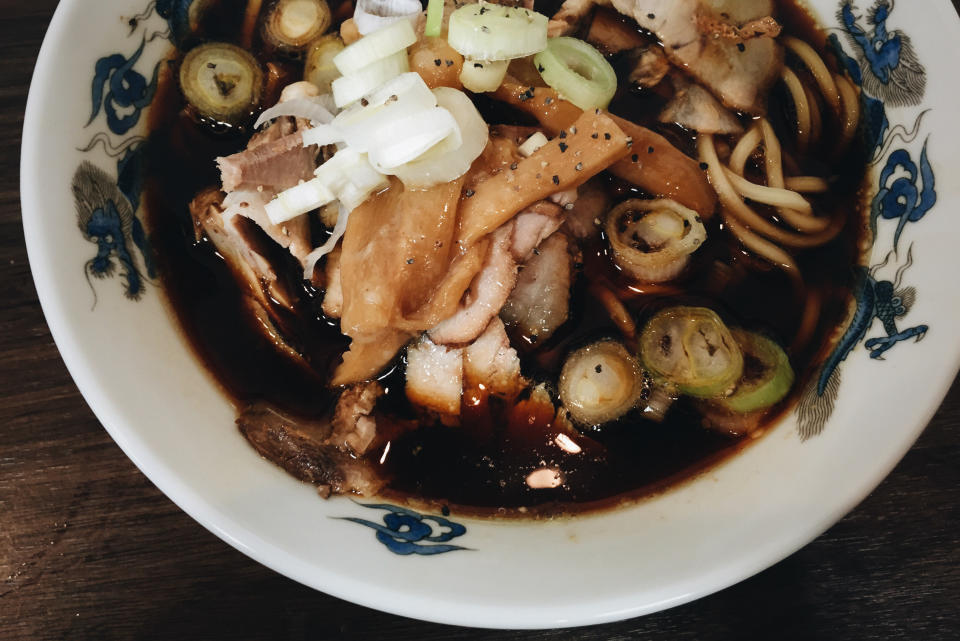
pixel 89 549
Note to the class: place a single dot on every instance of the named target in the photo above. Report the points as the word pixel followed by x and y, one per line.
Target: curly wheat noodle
pixel 802 107
pixel 807 184
pixel 250 22
pixel 745 146
pixel 812 60
pixel 773 196
pixel 816 120
pixel 735 207
pixel 800 218
pixel 851 111
pixel 808 322
pixel 618 313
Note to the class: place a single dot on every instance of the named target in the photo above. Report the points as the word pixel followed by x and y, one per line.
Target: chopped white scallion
pixel 373 15
pixel 298 200
pixel 532 144
pixel 480 76
pixel 310 108
pixel 376 46
pixel 350 88
pixel 414 135
pixel 322 135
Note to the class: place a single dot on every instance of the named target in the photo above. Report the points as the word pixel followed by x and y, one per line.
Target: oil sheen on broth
pixel 481 466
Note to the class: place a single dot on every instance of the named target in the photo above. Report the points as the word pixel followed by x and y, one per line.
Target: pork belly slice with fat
pixel 540 302
pixel 434 377
pixel 491 362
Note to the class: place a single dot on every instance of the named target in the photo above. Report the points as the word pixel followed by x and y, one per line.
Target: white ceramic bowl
pixel 135 370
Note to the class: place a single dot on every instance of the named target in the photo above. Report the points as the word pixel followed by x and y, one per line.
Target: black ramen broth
pixel 481 465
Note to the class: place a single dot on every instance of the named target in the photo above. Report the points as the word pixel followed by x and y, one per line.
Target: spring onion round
pixel 319 68
pixel 350 88
pixel 494 32
pixel 480 76
pixel 578 72
pixel 294 24
pixel 692 348
pixel 600 383
pixel 221 81
pixel 446 161
pixel 434 19
pixel 652 240
pixel 372 15
pixel 372 48
pixel 767 375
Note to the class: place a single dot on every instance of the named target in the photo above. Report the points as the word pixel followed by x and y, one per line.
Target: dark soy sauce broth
pixel 480 467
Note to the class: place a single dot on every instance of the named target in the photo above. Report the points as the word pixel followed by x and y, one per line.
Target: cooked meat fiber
pixel 435 376
pixel 737 71
pixel 540 302
pixel 276 165
pixel 293 235
pixel 695 108
pixel 532 227
pixel 487 293
pixel 301 448
pixel 333 296
pixel 354 429
pixel 490 361
pixel 235 238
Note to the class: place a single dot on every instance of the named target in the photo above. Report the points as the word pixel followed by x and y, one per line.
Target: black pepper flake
pixel 594 135
pixel 536 252
pixel 598 369
pixel 741 47
pixel 364 102
pixel 556 179
pixel 393 98
pixel 526 95
pixel 629 142
pixel 449 63
pixel 606 136
pixel 477 65
pixel 579 166
pixel 483 10
pixel 540 68
pixel 445 510
pixel 704 166
pixel 649 150
pixel 573 130
pixel 547 100
pixel 651 16
pixel 211 65
pixel 409 261
pixel 563 147
pixel 563 134
pixel 437 61
pixel 513 165
pixel 485 29
pixel 634 157
pixel 469 193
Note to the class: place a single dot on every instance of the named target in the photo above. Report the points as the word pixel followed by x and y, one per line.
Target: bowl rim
pixel 249 543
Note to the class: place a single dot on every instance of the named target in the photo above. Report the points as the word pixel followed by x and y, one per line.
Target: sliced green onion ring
pixel 600 383
pixel 480 76
pixel 380 44
pixel 294 24
pixel 494 32
pixel 319 68
pixel 434 19
pixel 767 375
pixel 221 81
pixel 692 348
pixel 578 72
pixel 652 240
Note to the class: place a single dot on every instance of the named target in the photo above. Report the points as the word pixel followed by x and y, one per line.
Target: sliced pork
pixel 275 165
pixel 354 429
pixel 693 107
pixel 293 235
pixel 725 44
pixel 492 363
pixel 539 304
pixel 301 447
pixel 487 293
pixel 434 377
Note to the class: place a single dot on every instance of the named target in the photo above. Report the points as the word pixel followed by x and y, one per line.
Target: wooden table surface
pixel 89 549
